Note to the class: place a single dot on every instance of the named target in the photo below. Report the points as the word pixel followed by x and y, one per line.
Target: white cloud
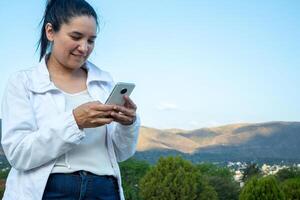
pixel 166 106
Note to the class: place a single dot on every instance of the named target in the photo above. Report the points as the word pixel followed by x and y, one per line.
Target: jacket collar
pixel 41 78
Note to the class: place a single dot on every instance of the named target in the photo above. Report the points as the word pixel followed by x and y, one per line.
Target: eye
pixel 91 41
pixel 75 38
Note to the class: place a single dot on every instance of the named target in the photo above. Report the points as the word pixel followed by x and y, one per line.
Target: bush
pixel 132 171
pixel 288 173
pixel 225 188
pixel 265 188
pixel 174 178
pixel 221 179
pixel 4 174
pixel 291 188
pixel 250 171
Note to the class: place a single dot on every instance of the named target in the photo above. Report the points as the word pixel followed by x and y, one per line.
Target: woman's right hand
pixel 93 114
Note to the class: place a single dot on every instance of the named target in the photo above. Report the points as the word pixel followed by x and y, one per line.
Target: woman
pixel 60 140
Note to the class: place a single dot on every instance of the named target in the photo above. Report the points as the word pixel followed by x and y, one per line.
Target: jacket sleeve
pixel 26 145
pixel 125 139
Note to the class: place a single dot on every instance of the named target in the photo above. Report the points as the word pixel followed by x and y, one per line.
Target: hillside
pixel 242 142
pixel 271 141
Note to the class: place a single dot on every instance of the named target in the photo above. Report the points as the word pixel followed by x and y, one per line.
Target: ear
pixel 49 32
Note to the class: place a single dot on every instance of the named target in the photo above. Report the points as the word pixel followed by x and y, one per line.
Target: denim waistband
pixel 87 173
pixel 81 185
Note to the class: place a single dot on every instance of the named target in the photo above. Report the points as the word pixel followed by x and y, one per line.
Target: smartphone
pixel 120 89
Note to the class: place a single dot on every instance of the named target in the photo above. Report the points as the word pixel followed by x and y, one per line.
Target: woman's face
pixel 74 42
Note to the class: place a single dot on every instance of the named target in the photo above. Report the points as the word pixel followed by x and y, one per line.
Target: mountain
pixel 272 141
pixel 151 138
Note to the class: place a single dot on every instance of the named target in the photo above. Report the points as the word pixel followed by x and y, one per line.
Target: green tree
pixel 208 193
pixel 265 188
pixel 1 192
pixel 132 171
pixel 221 179
pixel 174 178
pixel 288 173
pixel 251 170
pixel 226 188
pixel 210 169
pixel 3 176
pixel 291 188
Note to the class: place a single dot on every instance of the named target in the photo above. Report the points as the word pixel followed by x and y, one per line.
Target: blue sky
pixel 196 63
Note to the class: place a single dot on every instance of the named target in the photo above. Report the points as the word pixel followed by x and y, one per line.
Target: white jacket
pixel 36 129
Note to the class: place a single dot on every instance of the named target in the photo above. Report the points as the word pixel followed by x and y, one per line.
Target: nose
pixel 83 47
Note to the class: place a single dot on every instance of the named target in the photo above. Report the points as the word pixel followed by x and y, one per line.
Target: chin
pixel 76 65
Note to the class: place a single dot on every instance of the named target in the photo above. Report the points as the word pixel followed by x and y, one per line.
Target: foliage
pixel 221 179
pixel 291 188
pixel 4 174
pixel 225 188
pixel 265 188
pixel 288 173
pixel 251 170
pixel 208 193
pixel 174 178
pixel 210 169
pixel 1 192
pixel 132 171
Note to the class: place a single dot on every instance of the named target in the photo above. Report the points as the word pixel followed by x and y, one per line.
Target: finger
pixel 122 118
pixel 103 107
pixel 101 121
pixel 129 102
pixel 101 114
pixel 124 110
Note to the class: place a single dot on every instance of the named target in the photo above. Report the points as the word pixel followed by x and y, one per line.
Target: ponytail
pixel 58 12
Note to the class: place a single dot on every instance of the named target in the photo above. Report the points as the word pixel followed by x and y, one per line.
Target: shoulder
pixel 21 77
pixel 18 84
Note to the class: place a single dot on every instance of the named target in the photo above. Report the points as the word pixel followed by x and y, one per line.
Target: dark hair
pixel 58 12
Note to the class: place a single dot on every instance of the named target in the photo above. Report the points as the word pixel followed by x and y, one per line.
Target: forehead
pixel 83 24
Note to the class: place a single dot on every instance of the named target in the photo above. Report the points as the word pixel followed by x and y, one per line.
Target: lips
pixel 78 55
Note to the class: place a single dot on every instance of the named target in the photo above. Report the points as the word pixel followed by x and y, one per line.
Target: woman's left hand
pixel 126 114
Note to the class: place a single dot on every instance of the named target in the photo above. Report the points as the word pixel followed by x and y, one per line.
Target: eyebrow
pixel 80 34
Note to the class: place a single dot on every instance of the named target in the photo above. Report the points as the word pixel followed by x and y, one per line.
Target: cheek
pixel 70 46
pixel 60 47
pixel 90 49
pixel 66 45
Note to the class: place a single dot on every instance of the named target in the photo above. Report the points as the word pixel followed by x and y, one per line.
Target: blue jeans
pixel 81 185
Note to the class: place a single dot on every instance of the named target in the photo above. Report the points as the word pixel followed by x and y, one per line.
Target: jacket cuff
pixel 77 134
pixel 130 129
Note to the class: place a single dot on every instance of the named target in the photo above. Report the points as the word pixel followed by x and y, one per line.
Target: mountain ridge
pixel 276 139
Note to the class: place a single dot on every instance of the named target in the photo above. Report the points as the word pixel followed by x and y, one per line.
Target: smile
pixel 79 56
